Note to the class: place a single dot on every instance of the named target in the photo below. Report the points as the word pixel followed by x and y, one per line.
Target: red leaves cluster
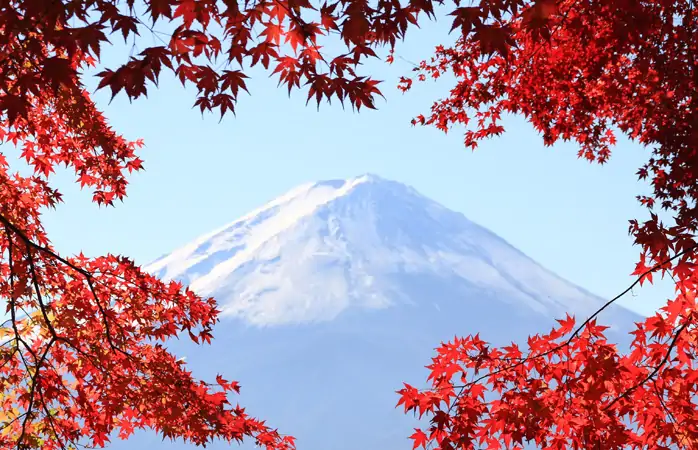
pixel 209 37
pixel 571 393
pixel 83 358
pixel 80 355
pixel 578 71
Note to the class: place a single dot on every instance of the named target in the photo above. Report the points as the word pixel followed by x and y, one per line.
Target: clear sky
pixel 568 215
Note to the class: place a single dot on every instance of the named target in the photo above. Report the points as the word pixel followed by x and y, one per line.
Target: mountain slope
pixel 330 246
pixel 337 292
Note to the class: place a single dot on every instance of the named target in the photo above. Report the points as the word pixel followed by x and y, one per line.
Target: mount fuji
pixel 338 291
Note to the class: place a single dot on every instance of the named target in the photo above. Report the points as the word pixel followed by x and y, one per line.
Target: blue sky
pixel 566 214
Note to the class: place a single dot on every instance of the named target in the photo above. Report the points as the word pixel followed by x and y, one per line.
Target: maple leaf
pixel 272 33
pixel 642 271
pixel 233 80
pixel 538 14
pixel 14 107
pixel 327 18
pixel 159 8
pixel 355 29
pixel 420 439
pixel 466 18
pixel 566 324
pixel 494 39
pixel 126 24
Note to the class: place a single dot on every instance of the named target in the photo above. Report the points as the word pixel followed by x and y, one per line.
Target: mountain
pixel 338 291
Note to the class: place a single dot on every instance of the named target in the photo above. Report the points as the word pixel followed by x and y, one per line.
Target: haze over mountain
pixel 336 292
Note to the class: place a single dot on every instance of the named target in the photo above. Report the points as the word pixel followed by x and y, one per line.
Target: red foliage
pixel 79 353
pixel 578 70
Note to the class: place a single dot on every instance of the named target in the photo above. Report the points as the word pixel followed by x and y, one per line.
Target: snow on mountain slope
pixel 332 246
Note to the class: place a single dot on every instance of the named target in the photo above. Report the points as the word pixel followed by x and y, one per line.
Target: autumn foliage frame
pixel 83 359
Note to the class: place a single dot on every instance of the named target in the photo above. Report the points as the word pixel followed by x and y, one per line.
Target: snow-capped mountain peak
pixel 285 210
pixel 327 247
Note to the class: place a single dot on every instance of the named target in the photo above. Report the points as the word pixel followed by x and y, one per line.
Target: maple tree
pixel 79 352
pixel 579 70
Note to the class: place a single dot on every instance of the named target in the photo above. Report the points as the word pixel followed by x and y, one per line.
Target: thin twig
pixel 656 369
pixel 584 324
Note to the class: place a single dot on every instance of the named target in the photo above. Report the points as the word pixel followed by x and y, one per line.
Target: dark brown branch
pixel 39 362
pixel 586 322
pixel 660 396
pixel 51 421
pixel 88 276
pixel 599 311
pixel 32 392
pixel 35 282
pixel 41 248
pixel 656 369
